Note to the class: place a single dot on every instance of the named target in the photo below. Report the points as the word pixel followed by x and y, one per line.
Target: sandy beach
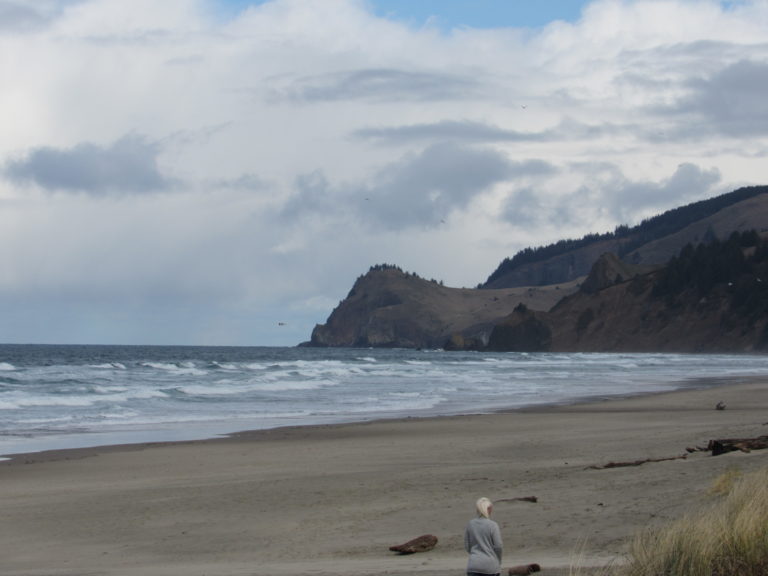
pixel 332 499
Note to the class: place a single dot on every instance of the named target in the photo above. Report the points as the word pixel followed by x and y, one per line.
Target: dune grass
pixel 728 538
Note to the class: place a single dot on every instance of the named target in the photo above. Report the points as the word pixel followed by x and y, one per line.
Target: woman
pixel 482 540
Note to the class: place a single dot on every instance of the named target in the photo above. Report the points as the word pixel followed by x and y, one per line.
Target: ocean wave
pixel 257 366
pixel 51 401
pixel 253 388
pixel 217 389
pixel 222 366
pixel 109 366
pixel 181 368
pixel 293 385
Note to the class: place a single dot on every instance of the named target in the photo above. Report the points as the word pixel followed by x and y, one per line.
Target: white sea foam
pixel 161 365
pixel 224 365
pixel 108 389
pixel 219 388
pixel 182 368
pixel 292 385
pixel 211 389
pixel 54 401
pixel 256 366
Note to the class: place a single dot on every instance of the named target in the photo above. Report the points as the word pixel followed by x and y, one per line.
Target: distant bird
pixel 720 405
pixel 281 324
pixel 523 106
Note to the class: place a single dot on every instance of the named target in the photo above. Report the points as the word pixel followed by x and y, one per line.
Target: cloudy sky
pixel 221 171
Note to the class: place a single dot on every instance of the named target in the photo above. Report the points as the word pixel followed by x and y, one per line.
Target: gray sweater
pixel 482 540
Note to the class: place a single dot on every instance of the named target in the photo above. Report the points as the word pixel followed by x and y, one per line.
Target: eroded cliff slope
pixel 390 308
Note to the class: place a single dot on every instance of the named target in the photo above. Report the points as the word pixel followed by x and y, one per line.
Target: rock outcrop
pixel 618 304
pixel 711 308
pixel 651 243
pixel 609 270
pixel 522 331
pixel 389 308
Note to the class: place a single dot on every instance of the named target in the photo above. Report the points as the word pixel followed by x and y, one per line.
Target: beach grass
pixel 729 537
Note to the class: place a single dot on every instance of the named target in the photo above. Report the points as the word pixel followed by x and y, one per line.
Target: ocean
pixel 54 397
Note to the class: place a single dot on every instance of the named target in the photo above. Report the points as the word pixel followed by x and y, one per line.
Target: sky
pixel 220 172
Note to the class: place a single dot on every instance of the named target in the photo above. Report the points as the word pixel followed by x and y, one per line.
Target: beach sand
pixel 331 499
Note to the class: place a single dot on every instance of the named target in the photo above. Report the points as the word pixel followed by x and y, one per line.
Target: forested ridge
pixel 736 268
pixel 630 238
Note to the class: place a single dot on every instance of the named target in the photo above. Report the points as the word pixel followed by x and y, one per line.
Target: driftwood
pixel 524 569
pixel 533 499
pixel 634 462
pixel 725 445
pixel 423 543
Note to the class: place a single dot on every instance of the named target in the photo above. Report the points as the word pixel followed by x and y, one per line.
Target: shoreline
pixel 331 499
pixel 58 453
pixel 172 438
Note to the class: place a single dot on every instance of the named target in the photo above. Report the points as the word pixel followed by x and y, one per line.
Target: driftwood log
pixel 634 462
pixel 423 543
pixel 533 499
pixel 725 445
pixel 524 569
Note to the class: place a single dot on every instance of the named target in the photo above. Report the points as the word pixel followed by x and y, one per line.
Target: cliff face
pixel 609 270
pixel 522 331
pixel 627 318
pixel 562 268
pixel 389 308
pixel 650 244
pixel 610 304
pixel 725 314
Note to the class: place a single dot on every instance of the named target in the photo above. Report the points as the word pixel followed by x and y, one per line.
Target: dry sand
pixel 332 499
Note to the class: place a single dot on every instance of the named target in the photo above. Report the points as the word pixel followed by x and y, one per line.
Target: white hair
pixel 483 506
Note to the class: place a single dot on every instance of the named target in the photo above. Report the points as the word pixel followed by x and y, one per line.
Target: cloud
pixel 314 197
pixel 731 101
pixel 523 208
pixel 25 16
pixel 689 181
pixel 626 201
pixel 248 181
pixel 454 130
pixel 468 131
pixel 128 165
pixel 379 85
pixel 423 189
pixel 420 190
pixel 605 197
pixel 305 140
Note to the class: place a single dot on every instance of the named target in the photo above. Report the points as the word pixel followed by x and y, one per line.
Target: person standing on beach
pixel 482 541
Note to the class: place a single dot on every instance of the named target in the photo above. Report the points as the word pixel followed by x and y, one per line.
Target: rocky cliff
pixel 609 305
pixel 390 308
pixel 651 243
pixel 712 299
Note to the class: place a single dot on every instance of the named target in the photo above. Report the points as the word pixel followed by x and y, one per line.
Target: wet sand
pixel 331 499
